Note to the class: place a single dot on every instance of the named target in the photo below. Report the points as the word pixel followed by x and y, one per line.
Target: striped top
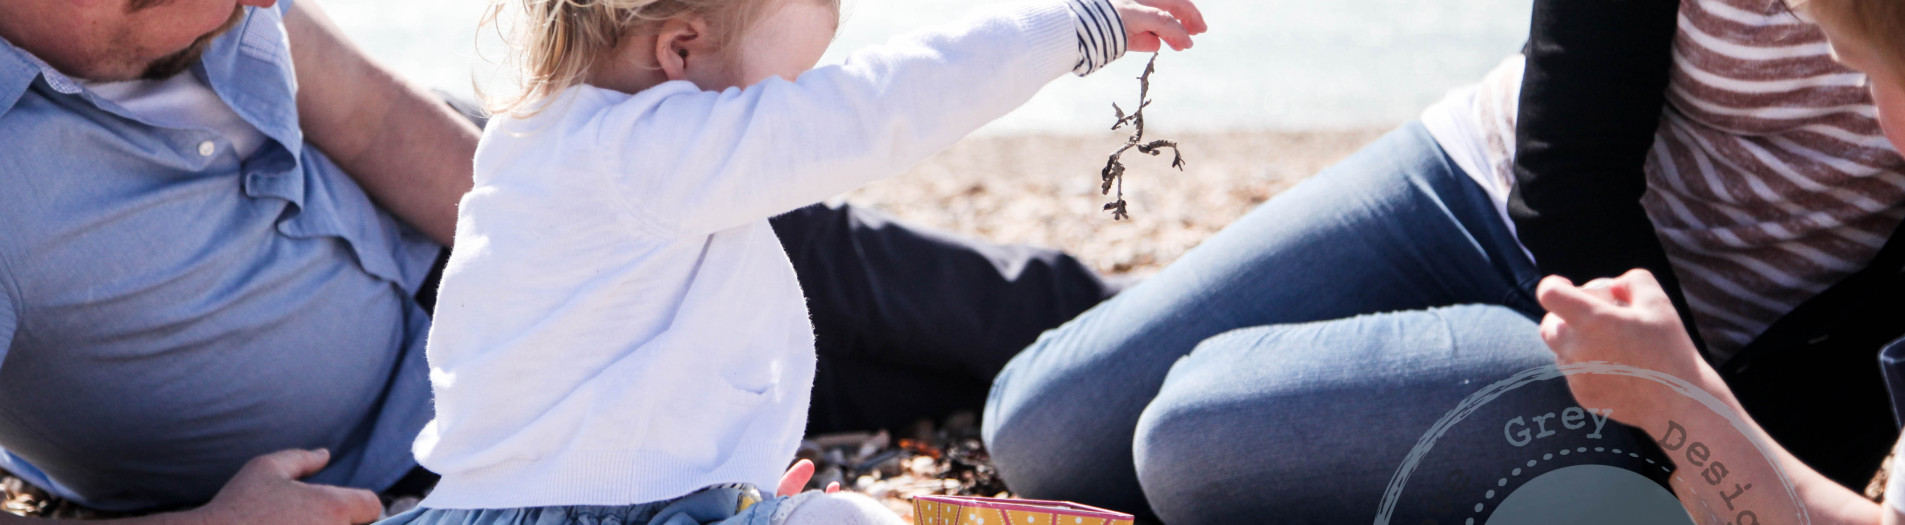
pixel 1769 179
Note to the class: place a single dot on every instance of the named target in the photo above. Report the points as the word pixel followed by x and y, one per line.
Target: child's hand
pixel 1627 320
pixel 796 479
pixel 1148 21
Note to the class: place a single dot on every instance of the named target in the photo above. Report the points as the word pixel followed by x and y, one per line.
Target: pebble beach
pixel 1042 189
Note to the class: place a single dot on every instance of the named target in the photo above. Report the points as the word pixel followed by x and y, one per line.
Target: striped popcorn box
pixel 970 510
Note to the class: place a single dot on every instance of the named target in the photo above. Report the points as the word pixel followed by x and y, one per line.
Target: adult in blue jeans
pixel 1270 378
pixel 1288 367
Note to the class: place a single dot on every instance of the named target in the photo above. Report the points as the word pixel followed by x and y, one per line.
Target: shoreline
pixel 1042 189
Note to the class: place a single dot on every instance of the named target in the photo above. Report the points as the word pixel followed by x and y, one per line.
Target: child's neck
pixel 630 68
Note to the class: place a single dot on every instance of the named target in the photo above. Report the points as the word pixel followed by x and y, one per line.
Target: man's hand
pixel 1627 320
pixel 1146 22
pixel 267 490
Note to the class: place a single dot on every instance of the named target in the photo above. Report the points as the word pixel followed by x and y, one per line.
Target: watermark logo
pixel 1572 464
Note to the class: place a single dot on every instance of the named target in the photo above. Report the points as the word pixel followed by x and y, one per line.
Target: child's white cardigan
pixel 618 323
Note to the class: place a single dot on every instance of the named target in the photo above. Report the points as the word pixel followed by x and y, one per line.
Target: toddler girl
pixel 619 337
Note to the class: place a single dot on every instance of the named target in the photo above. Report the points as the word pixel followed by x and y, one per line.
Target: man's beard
pixel 167 66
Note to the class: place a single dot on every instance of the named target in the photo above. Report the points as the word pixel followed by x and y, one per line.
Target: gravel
pixel 1043 190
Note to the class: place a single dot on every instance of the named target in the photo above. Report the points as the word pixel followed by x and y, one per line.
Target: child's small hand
pixel 796 479
pixel 1148 21
pixel 1627 320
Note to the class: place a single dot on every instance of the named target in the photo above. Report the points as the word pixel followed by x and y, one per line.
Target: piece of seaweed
pixel 1113 174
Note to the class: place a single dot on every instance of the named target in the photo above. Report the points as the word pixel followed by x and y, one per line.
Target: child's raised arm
pixel 695 162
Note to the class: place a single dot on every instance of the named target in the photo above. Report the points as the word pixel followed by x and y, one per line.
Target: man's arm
pixel 406 148
pixel 266 490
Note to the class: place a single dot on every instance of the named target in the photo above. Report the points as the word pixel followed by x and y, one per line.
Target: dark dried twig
pixel 1113 174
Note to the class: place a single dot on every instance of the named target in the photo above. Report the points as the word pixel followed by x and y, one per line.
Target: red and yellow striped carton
pixel 970 510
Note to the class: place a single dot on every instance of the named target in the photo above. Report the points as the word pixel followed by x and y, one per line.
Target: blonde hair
pixel 554 43
pixel 1876 23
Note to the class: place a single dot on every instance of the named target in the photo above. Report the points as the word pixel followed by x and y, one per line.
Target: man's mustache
pixel 167 66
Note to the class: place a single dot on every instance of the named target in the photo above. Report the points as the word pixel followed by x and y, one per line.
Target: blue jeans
pixel 714 505
pixel 1285 368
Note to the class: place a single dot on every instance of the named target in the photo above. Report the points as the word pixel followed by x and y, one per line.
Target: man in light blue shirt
pixel 207 254
pixel 179 294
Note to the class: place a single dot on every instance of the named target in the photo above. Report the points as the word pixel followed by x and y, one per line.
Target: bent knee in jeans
pixel 1313 421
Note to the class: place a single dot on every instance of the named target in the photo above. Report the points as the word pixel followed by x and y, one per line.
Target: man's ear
pixel 683 40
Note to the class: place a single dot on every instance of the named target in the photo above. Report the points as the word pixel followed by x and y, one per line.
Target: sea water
pixel 1265 64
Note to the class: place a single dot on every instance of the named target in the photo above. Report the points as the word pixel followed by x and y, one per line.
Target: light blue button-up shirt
pixel 169 310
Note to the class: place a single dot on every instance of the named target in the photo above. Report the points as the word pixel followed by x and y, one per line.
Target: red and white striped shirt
pixel 1769 179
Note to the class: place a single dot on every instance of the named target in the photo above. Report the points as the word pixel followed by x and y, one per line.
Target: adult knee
pixel 1034 454
pixel 1052 438
pixel 1222 442
pixel 1309 421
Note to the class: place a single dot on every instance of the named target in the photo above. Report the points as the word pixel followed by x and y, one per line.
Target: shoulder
pixel 582 119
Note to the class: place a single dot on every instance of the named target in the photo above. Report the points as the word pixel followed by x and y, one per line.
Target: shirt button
pixel 207 148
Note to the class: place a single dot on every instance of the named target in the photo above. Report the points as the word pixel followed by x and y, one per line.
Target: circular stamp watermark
pixel 1568 465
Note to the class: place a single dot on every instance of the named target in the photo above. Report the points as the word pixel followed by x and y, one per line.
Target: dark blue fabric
pixel 911 323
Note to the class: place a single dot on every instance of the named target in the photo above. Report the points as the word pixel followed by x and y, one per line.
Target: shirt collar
pixel 18 68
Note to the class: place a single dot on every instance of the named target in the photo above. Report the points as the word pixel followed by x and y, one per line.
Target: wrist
pixel 1664 409
pixel 1678 405
pixel 1100 31
pixel 1711 382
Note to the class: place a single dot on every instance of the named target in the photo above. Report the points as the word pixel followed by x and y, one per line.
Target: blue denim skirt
pixel 724 505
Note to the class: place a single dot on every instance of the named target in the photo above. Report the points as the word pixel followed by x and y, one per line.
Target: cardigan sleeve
pixel 1591 101
pixel 695 162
